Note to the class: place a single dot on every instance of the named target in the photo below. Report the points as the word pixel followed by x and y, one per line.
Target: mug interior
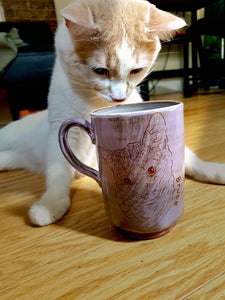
pixel 139 108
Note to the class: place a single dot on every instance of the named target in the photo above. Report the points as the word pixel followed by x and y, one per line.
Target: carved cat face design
pixel 108 47
pixel 142 171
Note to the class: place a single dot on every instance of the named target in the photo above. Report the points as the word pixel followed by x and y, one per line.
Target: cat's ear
pixel 79 20
pixel 162 23
pixel 155 133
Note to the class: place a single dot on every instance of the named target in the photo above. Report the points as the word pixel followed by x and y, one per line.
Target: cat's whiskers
pixel 82 87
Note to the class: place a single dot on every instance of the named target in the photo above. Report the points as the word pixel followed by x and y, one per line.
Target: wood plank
pixel 82 257
pixel 212 289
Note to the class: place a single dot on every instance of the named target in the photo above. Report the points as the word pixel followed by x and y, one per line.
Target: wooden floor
pixel 82 257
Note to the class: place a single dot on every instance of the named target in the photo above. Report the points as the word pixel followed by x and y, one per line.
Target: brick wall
pixel 30 10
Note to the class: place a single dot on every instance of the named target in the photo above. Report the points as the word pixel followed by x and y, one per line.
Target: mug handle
pixel 67 151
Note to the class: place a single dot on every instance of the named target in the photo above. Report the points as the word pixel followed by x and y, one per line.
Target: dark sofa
pixel 27 77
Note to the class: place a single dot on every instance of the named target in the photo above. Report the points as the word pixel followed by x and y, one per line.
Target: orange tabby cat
pixel 104 50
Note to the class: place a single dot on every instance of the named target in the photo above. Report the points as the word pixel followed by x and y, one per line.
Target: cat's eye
pixel 136 71
pixel 101 71
pixel 152 171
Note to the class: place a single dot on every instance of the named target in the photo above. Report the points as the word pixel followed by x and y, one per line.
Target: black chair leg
pixel 186 86
pixel 144 90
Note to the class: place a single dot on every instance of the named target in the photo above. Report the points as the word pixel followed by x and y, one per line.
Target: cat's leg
pixel 56 200
pixel 13 156
pixel 23 143
pixel 9 159
pixel 203 171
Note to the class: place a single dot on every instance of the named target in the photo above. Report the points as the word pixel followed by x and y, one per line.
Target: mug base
pixel 145 235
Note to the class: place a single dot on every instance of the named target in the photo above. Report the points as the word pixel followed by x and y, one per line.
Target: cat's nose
pixel 118 99
pixel 118 91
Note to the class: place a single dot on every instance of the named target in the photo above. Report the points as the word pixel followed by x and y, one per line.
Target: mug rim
pixel 126 109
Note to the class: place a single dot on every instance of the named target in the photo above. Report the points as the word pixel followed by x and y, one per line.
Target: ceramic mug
pixel 140 151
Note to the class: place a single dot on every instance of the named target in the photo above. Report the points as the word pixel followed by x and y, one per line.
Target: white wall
pixel 59 4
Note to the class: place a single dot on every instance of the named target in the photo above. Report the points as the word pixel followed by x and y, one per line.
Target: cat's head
pixel 112 44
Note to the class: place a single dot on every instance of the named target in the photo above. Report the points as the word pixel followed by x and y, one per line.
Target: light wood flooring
pixel 82 257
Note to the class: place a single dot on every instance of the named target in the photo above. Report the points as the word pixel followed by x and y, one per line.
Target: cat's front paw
pixel 48 210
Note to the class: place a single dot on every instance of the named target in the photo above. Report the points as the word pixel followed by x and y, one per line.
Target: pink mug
pixel 140 151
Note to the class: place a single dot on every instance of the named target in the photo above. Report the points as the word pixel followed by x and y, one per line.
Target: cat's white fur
pixel 32 142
